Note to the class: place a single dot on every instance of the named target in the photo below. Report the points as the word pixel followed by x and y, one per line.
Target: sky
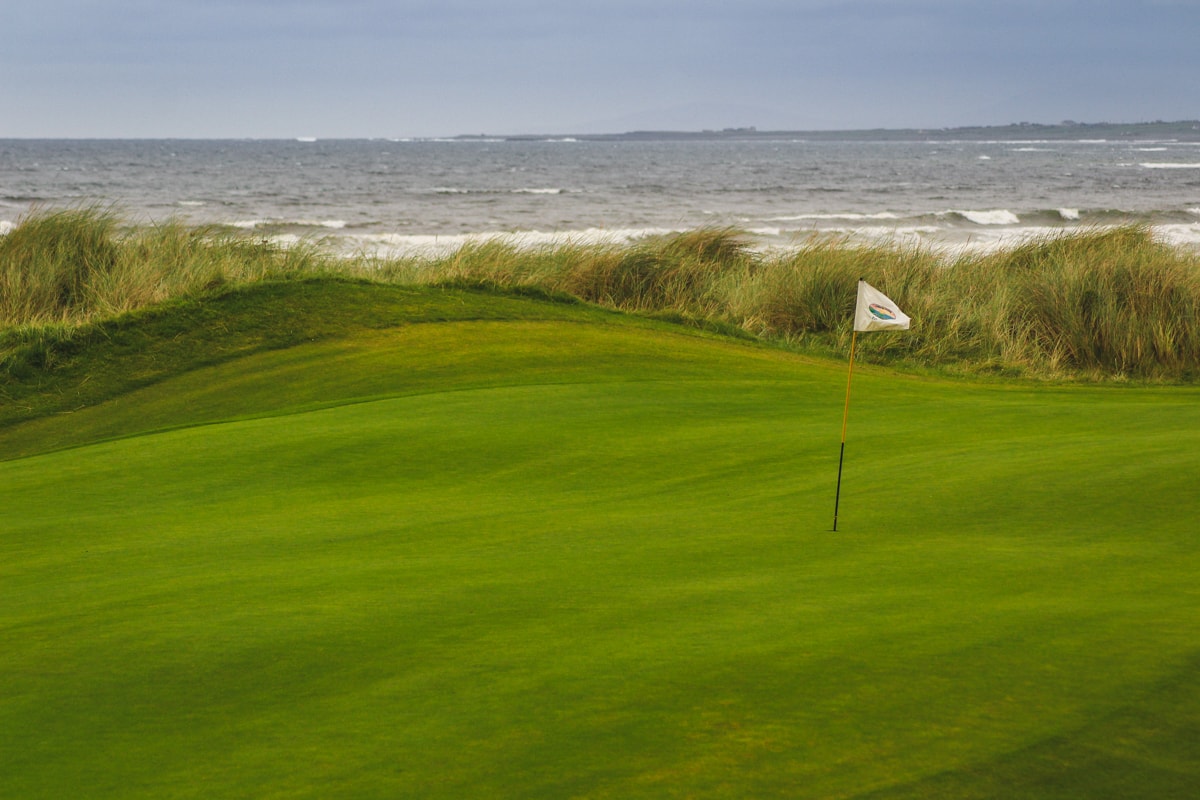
pixel 424 68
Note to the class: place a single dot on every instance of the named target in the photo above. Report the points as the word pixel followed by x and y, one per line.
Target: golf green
pixel 573 555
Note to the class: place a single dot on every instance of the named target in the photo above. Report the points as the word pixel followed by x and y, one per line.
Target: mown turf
pixel 538 550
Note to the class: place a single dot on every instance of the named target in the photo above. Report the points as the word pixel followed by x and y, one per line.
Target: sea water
pixel 392 197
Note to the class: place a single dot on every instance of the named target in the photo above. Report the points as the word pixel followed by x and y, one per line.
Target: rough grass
pixel 77 265
pixel 1105 304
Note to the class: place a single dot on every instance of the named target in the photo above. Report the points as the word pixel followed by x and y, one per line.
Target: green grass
pixel 444 543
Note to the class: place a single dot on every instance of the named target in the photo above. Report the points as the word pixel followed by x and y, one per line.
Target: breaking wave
pixel 1000 216
pixel 398 245
pixel 253 224
pixel 843 216
pixel 518 190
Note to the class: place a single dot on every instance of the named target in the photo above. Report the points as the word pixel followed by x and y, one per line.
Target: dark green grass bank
pixel 464 545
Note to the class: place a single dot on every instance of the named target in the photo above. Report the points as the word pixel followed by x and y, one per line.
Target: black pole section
pixel 838 497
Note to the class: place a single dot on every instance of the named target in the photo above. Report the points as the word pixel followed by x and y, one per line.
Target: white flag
pixel 876 312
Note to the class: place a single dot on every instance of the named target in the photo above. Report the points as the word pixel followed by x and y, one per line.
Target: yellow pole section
pixel 849 377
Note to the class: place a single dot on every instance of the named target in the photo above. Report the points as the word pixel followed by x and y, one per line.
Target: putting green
pixel 571 556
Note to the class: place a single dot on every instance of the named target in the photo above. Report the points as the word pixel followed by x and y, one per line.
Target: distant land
pixel 1185 130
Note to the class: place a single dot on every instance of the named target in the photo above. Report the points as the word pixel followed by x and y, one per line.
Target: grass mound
pixel 332 539
pixel 59 370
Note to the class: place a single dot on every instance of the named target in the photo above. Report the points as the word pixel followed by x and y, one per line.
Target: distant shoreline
pixel 1178 131
pixel 1183 130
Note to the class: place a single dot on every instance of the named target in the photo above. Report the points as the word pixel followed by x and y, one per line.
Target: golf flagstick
pixel 873 311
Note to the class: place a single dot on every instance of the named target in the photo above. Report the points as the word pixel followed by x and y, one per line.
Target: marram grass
pixel 78 265
pixel 1101 304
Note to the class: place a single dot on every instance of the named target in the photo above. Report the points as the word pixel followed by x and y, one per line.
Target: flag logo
pixel 875 311
pixel 881 312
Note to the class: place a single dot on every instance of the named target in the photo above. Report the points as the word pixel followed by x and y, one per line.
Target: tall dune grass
pixel 77 265
pixel 1101 304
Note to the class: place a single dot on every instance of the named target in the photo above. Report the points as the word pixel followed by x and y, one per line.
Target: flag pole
pixel 873 311
pixel 845 417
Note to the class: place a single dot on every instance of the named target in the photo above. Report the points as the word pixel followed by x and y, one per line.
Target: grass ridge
pixel 108 359
pixel 85 363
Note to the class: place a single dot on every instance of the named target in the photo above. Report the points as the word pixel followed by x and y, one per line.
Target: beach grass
pixel 77 265
pixel 1101 304
pixel 328 538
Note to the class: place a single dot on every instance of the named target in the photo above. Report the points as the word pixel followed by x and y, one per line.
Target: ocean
pixel 402 197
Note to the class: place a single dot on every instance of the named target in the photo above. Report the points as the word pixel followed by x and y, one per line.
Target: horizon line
pixel 729 132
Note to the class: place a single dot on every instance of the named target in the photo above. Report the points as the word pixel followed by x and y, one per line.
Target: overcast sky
pixel 396 68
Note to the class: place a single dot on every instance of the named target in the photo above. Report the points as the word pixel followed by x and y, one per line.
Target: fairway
pixel 528 549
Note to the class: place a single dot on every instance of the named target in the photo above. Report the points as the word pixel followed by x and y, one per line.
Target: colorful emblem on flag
pixel 881 312
pixel 875 311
